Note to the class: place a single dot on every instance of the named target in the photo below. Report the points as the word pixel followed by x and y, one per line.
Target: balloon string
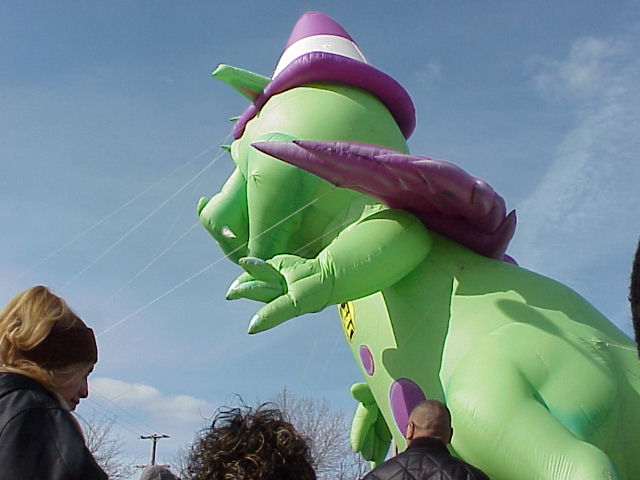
pixel 208 267
pixel 141 222
pixel 624 347
pixel 326 363
pixel 160 252
pixel 317 337
pixel 181 213
pixel 149 264
pixel 160 297
pixel 108 216
pixel 159 255
pixel 310 354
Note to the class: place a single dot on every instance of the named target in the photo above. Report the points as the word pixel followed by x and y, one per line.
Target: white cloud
pixel 581 221
pixel 586 72
pixel 173 409
pixel 428 73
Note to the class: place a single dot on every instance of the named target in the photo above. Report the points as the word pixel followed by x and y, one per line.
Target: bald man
pixel 426 457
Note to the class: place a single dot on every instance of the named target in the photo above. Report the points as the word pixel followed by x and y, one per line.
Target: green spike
pixel 226 147
pixel 247 83
pixel 234 119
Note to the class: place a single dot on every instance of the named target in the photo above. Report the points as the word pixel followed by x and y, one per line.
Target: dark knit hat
pixel 65 346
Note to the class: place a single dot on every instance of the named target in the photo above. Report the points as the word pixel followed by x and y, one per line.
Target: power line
pixel 139 425
pixel 96 407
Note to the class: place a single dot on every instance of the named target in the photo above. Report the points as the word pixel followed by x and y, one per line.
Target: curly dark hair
pixel 246 444
pixel 634 295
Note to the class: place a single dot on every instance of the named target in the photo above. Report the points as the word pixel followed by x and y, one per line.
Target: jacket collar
pixel 10 382
pixel 427 442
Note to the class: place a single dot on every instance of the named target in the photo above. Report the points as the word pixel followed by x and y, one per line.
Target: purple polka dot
pixel 367 359
pixel 403 396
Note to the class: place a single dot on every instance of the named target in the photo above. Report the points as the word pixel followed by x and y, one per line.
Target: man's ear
pixel 410 431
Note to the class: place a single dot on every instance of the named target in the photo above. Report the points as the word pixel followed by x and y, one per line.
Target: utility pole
pixel 155 437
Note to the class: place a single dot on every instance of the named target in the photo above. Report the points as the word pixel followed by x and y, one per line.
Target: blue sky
pixel 109 134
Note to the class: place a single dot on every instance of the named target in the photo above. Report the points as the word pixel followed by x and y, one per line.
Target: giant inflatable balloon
pixel 326 207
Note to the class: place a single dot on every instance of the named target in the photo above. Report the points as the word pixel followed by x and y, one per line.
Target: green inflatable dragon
pixel 539 383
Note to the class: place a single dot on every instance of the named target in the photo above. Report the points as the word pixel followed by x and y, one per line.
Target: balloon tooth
pixel 227 232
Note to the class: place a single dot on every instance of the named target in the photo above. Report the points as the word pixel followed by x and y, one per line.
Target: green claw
pixel 254 290
pixel 261 270
pixel 231 294
pixel 255 325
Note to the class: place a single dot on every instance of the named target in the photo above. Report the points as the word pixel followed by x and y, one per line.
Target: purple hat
pixel 315 32
pixel 320 50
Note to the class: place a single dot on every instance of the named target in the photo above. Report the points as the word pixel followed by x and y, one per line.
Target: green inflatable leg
pixel 500 416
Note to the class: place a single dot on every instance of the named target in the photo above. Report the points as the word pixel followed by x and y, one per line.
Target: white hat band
pixel 319 43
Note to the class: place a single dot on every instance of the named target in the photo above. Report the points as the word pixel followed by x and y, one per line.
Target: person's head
pixel 634 295
pixel 42 338
pixel 250 445
pixel 157 472
pixel 430 418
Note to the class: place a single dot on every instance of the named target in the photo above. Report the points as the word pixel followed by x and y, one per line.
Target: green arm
pixel 370 435
pixel 370 255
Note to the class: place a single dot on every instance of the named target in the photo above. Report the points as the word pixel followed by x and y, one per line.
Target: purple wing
pixel 444 197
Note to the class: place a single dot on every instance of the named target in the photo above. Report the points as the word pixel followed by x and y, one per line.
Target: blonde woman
pixel 46 355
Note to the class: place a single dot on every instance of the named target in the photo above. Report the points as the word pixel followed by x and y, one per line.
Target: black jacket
pixel 425 458
pixel 39 440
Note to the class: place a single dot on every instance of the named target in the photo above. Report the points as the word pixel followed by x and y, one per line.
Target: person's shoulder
pixel 467 471
pixel 477 474
pixel 443 460
pixel 409 463
pixel 19 393
pixel 10 382
pixel 389 467
pixel 377 473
